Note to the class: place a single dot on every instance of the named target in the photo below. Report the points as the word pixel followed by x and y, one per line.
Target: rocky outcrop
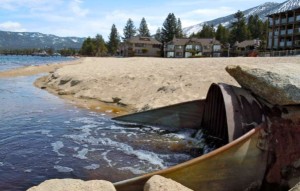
pixel 279 84
pixel 74 185
pixel 159 183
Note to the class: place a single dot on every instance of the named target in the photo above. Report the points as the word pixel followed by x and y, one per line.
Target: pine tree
pixel 88 48
pixel 113 40
pixel 239 29
pixel 143 30
pixel 129 30
pixel 158 35
pixel 222 34
pixel 100 47
pixel 206 32
pixel 179 31
pixel 169 28
pixel 255 27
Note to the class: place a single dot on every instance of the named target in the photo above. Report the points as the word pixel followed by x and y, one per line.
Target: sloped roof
pixel 246 43
pixel 179 41
pixel 202 41
pixel 144 40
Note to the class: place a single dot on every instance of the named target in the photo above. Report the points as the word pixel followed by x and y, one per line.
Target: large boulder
pixel 159 183
pixel 74 185
pixel 277 83
pixel 296 188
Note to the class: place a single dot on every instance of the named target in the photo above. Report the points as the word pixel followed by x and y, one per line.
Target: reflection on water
pixel 42 137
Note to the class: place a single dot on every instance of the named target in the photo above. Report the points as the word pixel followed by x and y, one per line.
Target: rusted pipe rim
pixel 230 112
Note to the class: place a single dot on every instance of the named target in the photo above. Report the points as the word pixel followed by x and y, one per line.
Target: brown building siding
pixel 284 30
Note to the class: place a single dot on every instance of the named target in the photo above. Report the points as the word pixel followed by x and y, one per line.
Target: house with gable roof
pixel 141 47
pixel 192 47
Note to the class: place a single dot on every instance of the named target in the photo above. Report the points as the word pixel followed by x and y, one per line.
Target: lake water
pixel 11 62
pixel 44 137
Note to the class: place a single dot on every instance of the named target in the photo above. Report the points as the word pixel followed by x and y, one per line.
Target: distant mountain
pixel 27 40
pixel 262 11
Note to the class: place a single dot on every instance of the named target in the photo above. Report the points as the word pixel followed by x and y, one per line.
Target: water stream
pixel 44 137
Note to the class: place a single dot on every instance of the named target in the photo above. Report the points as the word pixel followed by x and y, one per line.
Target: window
pixel 170 47
pixel 178 54
pixel 216 48
pixel 170 54
pixel 189 47
pixel 197 47
pixel 138 51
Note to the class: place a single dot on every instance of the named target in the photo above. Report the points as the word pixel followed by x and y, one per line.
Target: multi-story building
pixel 284 30
pixel 192 47
pixel 141 46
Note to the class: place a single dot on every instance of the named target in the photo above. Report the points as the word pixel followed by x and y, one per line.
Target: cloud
pixel 12 26
pixel 75 6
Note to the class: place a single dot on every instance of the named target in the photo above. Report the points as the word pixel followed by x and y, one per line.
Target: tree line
pixel 239 30
pixel 98 47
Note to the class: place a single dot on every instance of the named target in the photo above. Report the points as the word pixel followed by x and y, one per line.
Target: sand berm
pixel 138 84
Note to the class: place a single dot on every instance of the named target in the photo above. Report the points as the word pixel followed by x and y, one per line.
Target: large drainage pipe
pixel 229 113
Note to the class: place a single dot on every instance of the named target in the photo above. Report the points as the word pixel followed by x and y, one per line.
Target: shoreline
pixel 140 83
pixel 119 86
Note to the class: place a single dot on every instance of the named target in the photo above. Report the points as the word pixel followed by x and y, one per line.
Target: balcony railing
pixel 289 43
pixel 291 19
pixel 290 31
pixel 282 32
pixel 276 22
pixel 281 44
pixel 276 33
pixel 298 18
pixel 283 21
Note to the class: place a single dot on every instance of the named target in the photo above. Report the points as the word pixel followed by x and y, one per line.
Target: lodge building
pixel 284 30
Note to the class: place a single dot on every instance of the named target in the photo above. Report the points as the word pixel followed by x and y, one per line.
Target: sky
pixel 83 18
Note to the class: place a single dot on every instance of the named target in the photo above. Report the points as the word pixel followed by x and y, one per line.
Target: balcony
pixel 277 22
pixel 281 44
pixel 291 19
pixel 298 18
pixel 282 32
pixel 297 31
pixel 283 21
pixel 290 31
pixel 276 33
pixel 289 43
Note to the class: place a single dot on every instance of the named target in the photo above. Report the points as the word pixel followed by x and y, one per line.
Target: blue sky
pixel 84 18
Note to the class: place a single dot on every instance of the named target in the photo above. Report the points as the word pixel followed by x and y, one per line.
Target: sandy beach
pixel 137 84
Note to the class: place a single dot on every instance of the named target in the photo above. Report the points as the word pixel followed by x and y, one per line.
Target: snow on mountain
pixel 23 40
pixel 262 11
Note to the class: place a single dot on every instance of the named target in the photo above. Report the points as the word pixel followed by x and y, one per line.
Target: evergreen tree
pixel 206 32
pixel 179 32
pixel 88 48
pixel 100 47
pixel 113 40
pixel 239 29
pixel 129 30
pixel 143 30
pixel 158 35
pixel 222 34
pixel 169 28
pixel 255 27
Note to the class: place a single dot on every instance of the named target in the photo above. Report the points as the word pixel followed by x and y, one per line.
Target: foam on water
pixel 81 154
pixel 63 168
pixel 92 167
pixel 133 170
pixel 57 146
